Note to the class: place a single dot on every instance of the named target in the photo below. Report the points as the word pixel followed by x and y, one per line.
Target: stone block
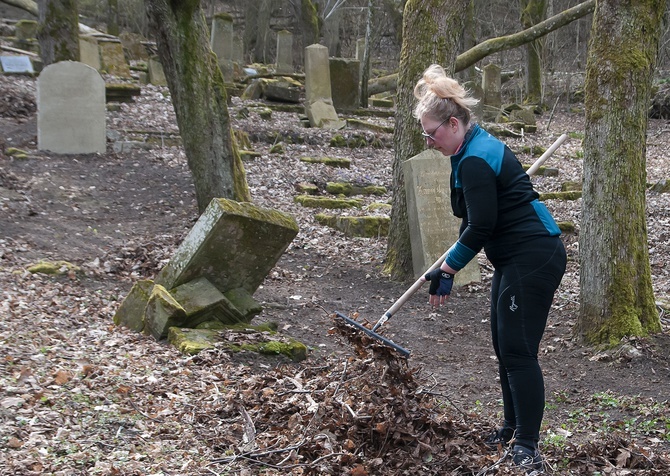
pixel 322 114
pixel 233 245
pixel 162 312
pixel 281 91
pixel 155 72
pixel 200 300
pixel 130 313
pixel 113 59
pixel 243 302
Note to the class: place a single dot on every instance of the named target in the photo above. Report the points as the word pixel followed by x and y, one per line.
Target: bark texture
pixel 199 99
pixel 615 278
pixel 431 34
pixel 532 13
pixel 58 31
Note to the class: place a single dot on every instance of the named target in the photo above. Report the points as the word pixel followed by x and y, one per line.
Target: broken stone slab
pixel 261 339
pixel 162 312
pixel 130 313
pixel 575 195
pixel 368 126
pixel 240 300
pixel 365 226
pixel 200 300
pixel 121 92
pixel 307 188
pixel 321 113
pixel 281 91
pixel 327 202
pixel 330 161
pixel 348 189
pixel 233 245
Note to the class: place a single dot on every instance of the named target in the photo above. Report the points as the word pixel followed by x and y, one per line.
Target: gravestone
pixel 345 83
pixel 113 59
pixel 221 43
pixel 318 94
pixel 89 52
pixel 71 109
pixel 433 227
pixel 234 245
pixel 284 52
pixel 492 85
pixel 16 64
pixel 155 72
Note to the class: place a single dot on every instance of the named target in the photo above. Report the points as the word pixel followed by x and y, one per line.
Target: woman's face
pixel 444 135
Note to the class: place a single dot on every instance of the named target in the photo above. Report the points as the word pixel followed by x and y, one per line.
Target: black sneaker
pixel 527 459
pixel 500 437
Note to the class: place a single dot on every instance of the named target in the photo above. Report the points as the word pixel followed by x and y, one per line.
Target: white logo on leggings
pixel 513 307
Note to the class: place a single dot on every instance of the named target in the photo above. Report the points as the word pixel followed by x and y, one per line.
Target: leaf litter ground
pixel 80 396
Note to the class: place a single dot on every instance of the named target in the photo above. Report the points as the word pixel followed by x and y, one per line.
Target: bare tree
pixel 58 31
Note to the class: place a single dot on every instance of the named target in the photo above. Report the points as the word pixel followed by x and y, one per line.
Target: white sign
pixel 16 64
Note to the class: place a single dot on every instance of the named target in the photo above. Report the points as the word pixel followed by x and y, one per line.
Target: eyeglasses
pixel 430 136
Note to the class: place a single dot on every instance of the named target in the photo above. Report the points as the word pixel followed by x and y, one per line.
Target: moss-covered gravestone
pixel 234 245
pixel 214 273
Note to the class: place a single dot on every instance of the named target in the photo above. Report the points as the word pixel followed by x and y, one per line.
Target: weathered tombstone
pixel 318 94
pixel 492 84
pixel 89 52
pixel 16 64
pixel 113 59
pixel 284 52
pixel 476 92
pixel 360 53
pixel 156 75
pixel 26 31
pixel 234 245
pixel 221 43
pixel 71 109
pixel 433 227
pixel 133 44
pixel 345 83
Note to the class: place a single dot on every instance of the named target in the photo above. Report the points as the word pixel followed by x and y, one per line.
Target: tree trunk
pixel 113 17
pixel 199 99
pixel 431 33
pixel 532 13
pixel 58 32
pixel 616 296
pixel 494 45
pixel 262 32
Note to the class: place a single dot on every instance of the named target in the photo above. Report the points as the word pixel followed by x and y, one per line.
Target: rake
pixel 419 282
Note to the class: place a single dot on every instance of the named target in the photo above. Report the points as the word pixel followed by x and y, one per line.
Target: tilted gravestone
pixel 234 245
pixel 318 94
pixel 214 272
pixel 71 109
pixel 433 227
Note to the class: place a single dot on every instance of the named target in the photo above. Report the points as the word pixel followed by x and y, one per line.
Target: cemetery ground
pixel 79 395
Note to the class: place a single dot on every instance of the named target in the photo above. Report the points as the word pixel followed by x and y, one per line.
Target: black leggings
pixel 522 290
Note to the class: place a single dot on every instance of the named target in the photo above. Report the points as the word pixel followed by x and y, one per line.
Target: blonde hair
pixel 441 97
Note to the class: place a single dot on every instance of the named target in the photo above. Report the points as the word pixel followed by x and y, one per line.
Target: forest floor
pixel 79 395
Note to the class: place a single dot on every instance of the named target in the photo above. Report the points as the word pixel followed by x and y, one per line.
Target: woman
pixel 500 213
